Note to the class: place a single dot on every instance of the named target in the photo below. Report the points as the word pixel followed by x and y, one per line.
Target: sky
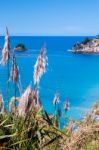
pixel 50 17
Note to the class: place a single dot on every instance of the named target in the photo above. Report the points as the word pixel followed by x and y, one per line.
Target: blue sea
pixel 74 76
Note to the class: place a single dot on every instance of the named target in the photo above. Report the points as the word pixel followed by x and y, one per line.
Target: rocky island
pixel 88 46
pixel 20 47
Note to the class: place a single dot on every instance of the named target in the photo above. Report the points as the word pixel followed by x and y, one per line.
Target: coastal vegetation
pixel 25 125
pixel 40 131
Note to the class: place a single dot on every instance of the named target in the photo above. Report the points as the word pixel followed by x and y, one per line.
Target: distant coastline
pixel 87 46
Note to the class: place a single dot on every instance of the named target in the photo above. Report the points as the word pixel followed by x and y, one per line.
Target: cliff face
pixel 87 46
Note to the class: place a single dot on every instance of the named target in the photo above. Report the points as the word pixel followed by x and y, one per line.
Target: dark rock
pixel 20 47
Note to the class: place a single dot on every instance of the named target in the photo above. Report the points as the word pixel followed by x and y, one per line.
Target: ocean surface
pixel 74 76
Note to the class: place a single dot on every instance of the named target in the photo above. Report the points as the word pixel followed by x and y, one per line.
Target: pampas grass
pixel 2 110
pixel 6 49
pixel 26 126
pixel 40 66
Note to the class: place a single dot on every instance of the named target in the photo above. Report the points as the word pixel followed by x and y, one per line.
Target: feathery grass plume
pixel 20 85
pixel 56 99
pixel 6 49
pixel 57 114
pixel 29 101
pixel 2 110
pixel 40 66
pixel 86 133
pixel 5 58
pixel 66 105
pixel 96 108
pixel 12 104
pixel 33 102
pixel 14 76
pixel 36 103
pixel 24 100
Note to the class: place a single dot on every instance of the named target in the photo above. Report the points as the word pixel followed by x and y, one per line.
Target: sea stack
pixel 20 47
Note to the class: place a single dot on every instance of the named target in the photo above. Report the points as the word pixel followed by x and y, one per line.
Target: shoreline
pixel 87 46
pixel 83 52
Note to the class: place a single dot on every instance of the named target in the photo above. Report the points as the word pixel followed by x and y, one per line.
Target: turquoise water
pixel 74 76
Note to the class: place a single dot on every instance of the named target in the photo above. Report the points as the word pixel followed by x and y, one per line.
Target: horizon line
pixel 49 35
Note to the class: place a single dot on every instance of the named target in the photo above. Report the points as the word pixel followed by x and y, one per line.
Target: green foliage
pixel 86 40
pixel 40 131
pixel 94 145
pixel 26 132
